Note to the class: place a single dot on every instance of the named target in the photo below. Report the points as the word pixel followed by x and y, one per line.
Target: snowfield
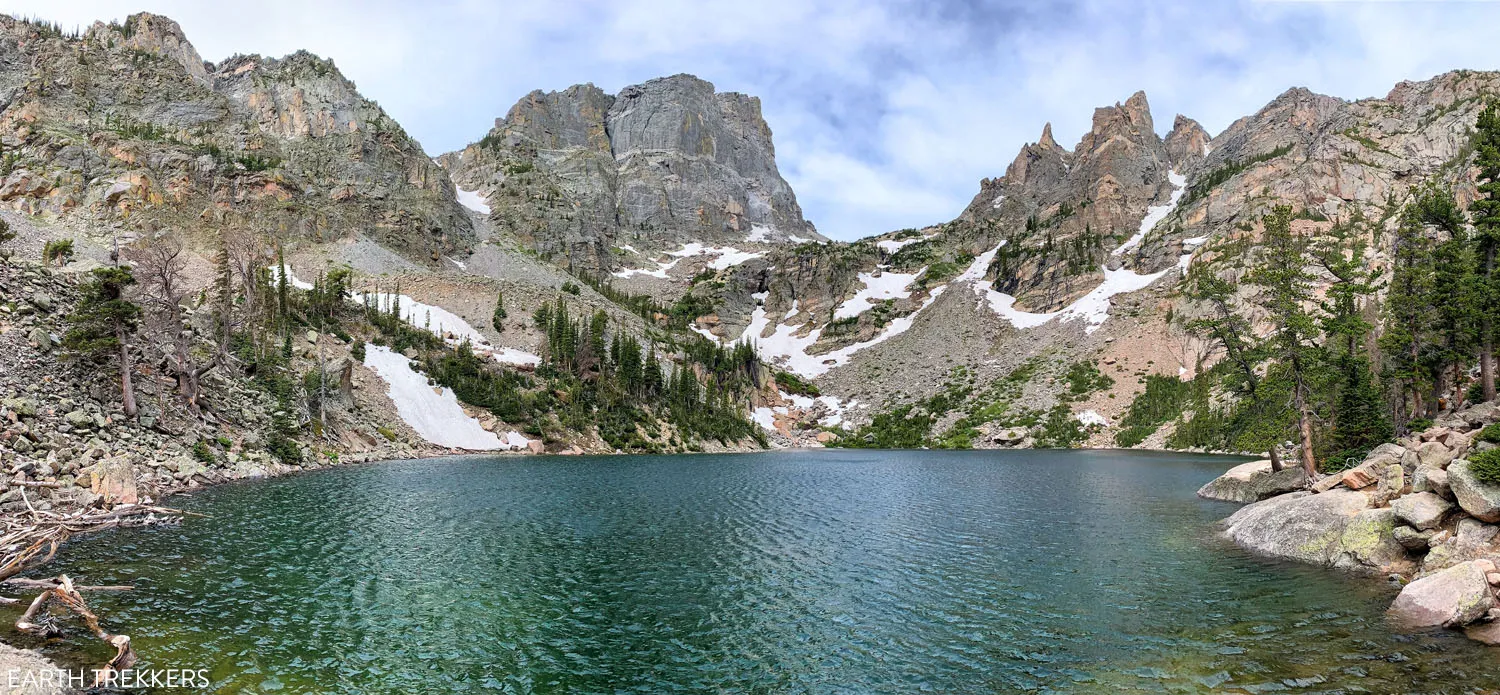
pixel 433 412
pixel 727 256
pixel 887 286
pixel 471 200
pixel 1156 213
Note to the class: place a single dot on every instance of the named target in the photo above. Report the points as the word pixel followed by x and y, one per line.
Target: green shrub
pixel 571 288
pixel 1491 433
pixel 225 442
pixel 1485 466
pixel 793 384
pixel 58 251
pixel 284 448
pixel 1419 424
pixel 203 453
pixel 358 352
pixel 387 432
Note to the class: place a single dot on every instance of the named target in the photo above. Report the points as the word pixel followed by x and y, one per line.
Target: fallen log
pixel 63 592
pixel 53 584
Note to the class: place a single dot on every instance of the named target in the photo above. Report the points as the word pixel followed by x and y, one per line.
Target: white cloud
pixel 886 113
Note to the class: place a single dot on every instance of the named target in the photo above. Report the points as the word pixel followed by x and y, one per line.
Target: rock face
pixel 578 173
pixel 1252 482
pixel 1456 596
pixel 286 147
pixel 1333 529
pixel 1478 499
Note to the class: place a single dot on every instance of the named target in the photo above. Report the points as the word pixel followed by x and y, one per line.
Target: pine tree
pixel 498 321
pixel 1359 422
pixel 1485 211
pixel 1407 315
pixel 1285 291
pixel 102 325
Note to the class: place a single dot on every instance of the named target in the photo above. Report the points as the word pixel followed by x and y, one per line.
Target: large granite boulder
pixel 1453 597
pixel 1428 479
pixel 1253 482
pixel 113 479
pixel 1480 500
pixel 1423 510
pixel 1311 528
pixel 1368 543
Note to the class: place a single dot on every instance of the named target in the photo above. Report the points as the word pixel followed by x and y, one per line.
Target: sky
pixel 886 113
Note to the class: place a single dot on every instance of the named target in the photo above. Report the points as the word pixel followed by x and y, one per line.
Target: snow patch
pixel 759 233
pixel 1156 213
pixel 797 239
pixel 433 412
pixel 1091 418
pixel 764 417
pixel 727 256
pixel 887 286
pixel 999 200
pixel 471 200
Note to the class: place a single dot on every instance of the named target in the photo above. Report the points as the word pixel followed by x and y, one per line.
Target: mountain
pixel 127 127
pixel 1043 308
pixel 598 182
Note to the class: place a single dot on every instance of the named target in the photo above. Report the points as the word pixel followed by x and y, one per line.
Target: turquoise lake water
pixel 789 572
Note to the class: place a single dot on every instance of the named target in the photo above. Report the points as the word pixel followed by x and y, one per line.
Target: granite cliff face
pixel 126 127
pixel 594 180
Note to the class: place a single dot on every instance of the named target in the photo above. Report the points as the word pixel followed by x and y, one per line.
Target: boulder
pixel 1359 477
pixel 78 419
pixel 1297 526
pixel 1431 480
pixel 1392 484
pixel 1368 544
pixel 1384 455
pixel 1434 454
pixel 1250 482
pixel 1474 540
pixel 113 479
pixel 1412 539
pixel 536 446
pixel 1012 436
pixel 1423 510
pixel 1481 414
pixel 40 339
pixel 1453 597
pixel 1481 500
pixel 23 407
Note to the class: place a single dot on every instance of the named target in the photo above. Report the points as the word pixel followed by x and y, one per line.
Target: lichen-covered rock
pixel 1423 510
pixel 1412 539
pixel 1433 480
pixel 1368 544
pixel 1434 454
pixel 1303 526
pixel 1453 597
pixel 1252 482
pixel 1481 500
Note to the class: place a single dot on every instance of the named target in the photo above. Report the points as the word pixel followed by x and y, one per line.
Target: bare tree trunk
pixel 1487 364
pixel 1275 458
pixel 1304 425
pixel 127 387
pixel 346 381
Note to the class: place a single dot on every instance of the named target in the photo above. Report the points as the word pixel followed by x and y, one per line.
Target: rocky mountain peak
pixel 1187 144
pixel 1131 121
pixel 1046 140
pixel 156 34
pixel 579 173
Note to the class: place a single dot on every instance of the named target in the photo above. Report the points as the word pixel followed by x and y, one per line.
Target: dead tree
pixel 159 265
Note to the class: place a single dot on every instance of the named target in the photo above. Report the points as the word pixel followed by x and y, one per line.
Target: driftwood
pixel 30 540
pixel 63 592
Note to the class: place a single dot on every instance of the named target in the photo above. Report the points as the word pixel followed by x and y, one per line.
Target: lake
pixel 830 571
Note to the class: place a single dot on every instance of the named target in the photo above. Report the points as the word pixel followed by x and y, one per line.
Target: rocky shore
pixel 1413 511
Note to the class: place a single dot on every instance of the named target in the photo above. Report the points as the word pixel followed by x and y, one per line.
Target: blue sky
pixel 886 113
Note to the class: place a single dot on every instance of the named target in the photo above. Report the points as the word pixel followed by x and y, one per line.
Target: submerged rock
pixel 1253 482
pixel 1453 597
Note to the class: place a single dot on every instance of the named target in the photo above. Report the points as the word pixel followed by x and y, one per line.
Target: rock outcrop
pixel 1253 482
pixel 126 126
pixel 1482 500
pixel 583 176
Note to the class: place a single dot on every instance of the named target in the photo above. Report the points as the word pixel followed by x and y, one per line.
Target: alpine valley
pixel 243 269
